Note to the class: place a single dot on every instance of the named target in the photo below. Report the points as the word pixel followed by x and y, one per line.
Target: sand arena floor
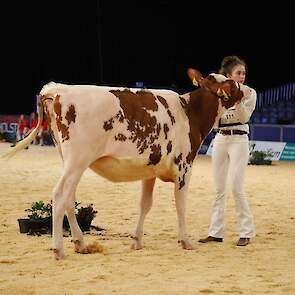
pixel 266 266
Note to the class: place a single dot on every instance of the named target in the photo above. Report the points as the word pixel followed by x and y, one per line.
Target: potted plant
pixel 40 218
pixel 84 216
pixel 260 158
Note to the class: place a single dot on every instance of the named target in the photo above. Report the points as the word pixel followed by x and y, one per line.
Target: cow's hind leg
pixel 180 192
pixel 145 206
pixel 63 199
pixel 76 232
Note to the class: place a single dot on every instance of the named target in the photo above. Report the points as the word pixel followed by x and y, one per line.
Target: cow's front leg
pixel 145 206
pixel 180 192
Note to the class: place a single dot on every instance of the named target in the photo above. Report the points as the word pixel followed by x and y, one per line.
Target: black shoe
pixel 211 239
pixel 14 144
pixel 243 241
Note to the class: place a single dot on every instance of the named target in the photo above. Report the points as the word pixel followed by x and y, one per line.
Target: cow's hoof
pixel 186 245
pixel 136 246
pixel 58 254
pixel 79 246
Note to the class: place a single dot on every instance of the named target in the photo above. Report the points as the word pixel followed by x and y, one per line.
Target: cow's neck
pixel 201 107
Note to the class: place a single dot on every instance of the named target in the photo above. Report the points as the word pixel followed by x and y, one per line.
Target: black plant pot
pixel 45 224
pixel 23 225
pixel 83 224
pixel 65 223
pixel 34 225
pixel 260 162
pixel 40 225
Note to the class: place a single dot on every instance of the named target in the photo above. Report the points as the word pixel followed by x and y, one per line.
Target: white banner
pixel 273 148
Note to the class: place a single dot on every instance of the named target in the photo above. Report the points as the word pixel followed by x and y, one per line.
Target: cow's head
pixel 229 91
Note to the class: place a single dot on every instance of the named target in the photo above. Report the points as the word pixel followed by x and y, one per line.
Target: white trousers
pixel 230 154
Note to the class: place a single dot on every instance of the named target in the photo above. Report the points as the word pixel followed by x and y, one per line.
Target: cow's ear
pixel 195 76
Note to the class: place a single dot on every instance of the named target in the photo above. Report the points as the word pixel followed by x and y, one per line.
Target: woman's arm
pixel 244 110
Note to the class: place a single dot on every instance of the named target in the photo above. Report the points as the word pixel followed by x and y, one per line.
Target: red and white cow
pixel 129 135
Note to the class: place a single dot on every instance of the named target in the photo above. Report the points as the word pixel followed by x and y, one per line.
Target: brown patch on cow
pixel 166 130
pixel 142 125
pixel 155 156
pixel 178 159
pixel 60 125
pixel 191 156
pixel 180 162
pixel 181 182
pixel 108 125
pixel 48 120
pixel 183 102
pixel 163 101
pixel 142 147
pixel 148 100
pixel 57 106
pixel 166 106
pixel 201 111
pixel 171 116
pixel 169 147
pixel 158 129
pixel 120 117
pixel 71 114
pixel 120 137
pixel 187 105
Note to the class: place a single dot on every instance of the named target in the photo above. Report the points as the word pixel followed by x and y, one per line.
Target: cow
pixel 129 135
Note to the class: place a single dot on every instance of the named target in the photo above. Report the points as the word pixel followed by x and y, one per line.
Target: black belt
pixel 232 132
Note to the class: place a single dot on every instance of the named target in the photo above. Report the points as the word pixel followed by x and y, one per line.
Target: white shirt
pixel 239 113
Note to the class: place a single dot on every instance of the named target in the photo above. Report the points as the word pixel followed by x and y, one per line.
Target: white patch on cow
pixel 219 78
pixel 186 96
pixel 52 87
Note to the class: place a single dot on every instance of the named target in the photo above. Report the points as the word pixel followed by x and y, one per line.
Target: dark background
pixel 120 42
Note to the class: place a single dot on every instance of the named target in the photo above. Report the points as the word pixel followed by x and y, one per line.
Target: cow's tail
pixel 27 140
